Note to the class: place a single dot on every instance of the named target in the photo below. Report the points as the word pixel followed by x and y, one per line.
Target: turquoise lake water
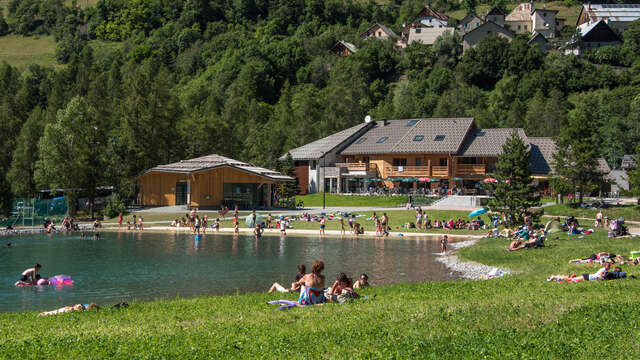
pixel 139 265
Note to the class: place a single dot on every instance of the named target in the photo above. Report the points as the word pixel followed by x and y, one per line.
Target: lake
pixel 125 266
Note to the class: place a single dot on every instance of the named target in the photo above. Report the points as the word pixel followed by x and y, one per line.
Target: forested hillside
pixel 146 82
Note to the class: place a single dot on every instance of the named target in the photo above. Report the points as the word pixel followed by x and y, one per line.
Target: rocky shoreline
pixel 470 269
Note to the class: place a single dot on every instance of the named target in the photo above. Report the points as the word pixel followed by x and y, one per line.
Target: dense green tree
pixel 4 27
pixel 484 64
pixel 575 161
pixel 65 149
pixel 514 193
pixel 25 155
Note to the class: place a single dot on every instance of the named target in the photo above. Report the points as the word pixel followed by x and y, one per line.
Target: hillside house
pixel 379 31
pixel 496 16
pixel 526 19
pixel 344 49
pixel 425 28
pixel 617 16
pixel 592 38
pixel 472 38
pixel 539 39
pixel 470 22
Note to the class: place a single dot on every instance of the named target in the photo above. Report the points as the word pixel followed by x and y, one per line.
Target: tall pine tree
pixel 514 193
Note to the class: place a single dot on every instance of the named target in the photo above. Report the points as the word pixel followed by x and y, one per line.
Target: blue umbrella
pixel 477 212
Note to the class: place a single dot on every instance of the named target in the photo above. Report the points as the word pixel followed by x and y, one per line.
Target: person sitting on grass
pixel 294 285
pixel 593 258
pixel 599 275
pixel 341 283
pixel 363 282
pixel 312 285
pixel 518 244
pixel 66 309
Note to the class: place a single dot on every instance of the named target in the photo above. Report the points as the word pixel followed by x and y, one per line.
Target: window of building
pixel 312 165
pixel 418 138
pixel 361 140
pixel 439 138
pixel 443 162
pixel 412 122
pixel 418 161
pixel 399 162
pixel 418 30
pixel 525 27
pixel 518 27
pixel 477 24
pixel 382 139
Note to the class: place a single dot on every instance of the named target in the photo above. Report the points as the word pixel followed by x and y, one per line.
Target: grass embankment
pixel 520 316
pixel 629 212
pixel 397 218
pixel 21 51
pixel 337 200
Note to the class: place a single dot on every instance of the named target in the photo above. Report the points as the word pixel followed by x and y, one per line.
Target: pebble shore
pixel 469 269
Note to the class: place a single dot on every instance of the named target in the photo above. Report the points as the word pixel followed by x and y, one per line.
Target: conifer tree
pixel 514 193
pixel 576 157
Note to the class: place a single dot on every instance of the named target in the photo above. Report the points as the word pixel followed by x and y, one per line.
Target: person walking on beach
pixel 322 225
pixel 196 225
pixel 385 224
pixel 342 232
pixel 140 223
pixel 134 222
pixel 205 223
pixel 120 218
pixel 443 244
pixel 269 219
pixel 419 217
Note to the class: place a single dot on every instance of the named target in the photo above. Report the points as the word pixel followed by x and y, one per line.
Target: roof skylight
pixel 382 139
pixel 418 138
pixel 439 138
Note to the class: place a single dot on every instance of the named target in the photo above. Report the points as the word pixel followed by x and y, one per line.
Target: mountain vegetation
pixel 251 79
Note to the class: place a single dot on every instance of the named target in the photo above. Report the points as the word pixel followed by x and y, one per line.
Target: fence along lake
pixel 126 266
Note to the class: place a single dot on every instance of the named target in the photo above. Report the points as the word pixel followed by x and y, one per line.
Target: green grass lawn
pixel 21 51
pixel 517 317
pixel 333 200
pixel 629 212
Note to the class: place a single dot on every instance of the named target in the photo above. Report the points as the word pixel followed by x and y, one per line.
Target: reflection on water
pixel 136 265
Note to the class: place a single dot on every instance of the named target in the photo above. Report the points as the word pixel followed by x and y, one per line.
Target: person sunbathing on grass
pixel 294 285
pixel 599 275
pixel 343 282
pixel 66 309
pixel 593 258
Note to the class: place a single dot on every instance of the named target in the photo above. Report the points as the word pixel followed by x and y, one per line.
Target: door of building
pixel 181 193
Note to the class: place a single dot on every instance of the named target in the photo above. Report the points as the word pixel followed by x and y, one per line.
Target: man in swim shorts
pixel 30 275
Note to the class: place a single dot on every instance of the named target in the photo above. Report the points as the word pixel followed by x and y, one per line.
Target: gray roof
pixel 611 12
pixel 603 166
pixel 347 45
pixel 542 149
pixel 628 162
pixel 439 135
pixel 620 179
pixel 318 148
pixel 488 142
pixel 374 27
pixel 213 161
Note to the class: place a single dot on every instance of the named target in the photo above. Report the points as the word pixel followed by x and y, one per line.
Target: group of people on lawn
pixel 311 286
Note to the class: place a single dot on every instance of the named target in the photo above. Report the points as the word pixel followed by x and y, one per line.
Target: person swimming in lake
pixel 29 276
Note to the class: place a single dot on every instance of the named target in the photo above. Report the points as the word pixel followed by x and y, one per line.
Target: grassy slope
pixel 516 317
pixel 333 200
pixel 21 51
pixel 629 212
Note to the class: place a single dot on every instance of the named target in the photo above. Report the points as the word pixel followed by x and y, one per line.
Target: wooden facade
pixel 204 188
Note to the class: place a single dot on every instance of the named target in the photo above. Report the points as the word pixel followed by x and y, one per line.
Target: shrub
pixel 114 207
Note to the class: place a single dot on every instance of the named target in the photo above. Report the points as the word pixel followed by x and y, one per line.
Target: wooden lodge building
pixel 411 153
pixel 209 182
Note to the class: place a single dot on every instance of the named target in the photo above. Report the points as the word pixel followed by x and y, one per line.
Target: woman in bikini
pixel 312 285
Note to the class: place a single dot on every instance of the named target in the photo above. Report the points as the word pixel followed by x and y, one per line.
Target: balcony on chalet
pixel 417 171
pixel 358 169
pixel 470 169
